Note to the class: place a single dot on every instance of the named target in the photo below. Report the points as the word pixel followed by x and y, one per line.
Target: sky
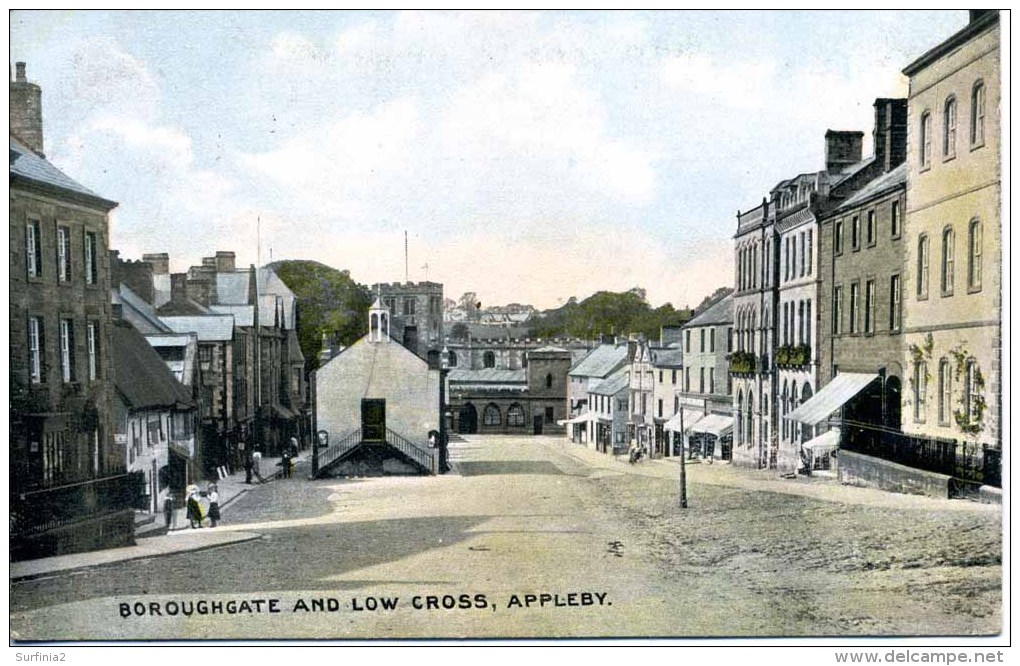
pixel 529 156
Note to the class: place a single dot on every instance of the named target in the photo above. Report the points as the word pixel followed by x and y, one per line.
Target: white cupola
pixel 378 322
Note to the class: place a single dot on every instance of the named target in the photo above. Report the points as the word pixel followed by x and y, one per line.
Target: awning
pixel 714 424
pixel 827 442
pixel 690 417
pixel 831 397
pixel 583 417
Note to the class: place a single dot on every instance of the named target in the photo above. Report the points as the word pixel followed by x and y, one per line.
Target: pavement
pixel 154 540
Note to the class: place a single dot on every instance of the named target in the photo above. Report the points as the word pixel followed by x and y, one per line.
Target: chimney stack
pixel 26 110
pixel 225 262
pixel 842 149
pixel 890 134
pixel 178 287
pixel 160 262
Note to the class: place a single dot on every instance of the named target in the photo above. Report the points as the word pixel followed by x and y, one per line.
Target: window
pixel 711 339
pixel 66 350
pixel 855 299
pixel 674 377
pixel 974 255
pixel 837 310
pixel 33 249
pixel 729 339
pixel 977 115
pixel 35 350
pixel 800 322
pixel 702 335
pixel 920 390
pixel 972 392
pixel 895 223
pixel 687 379
pixel 948 243
pixel 870 231
pixel 925 143
pixel 676 404
pixel 711 381
pixel 91 272
pixel 452 359
pixel 809 258
pixel 687 335
pixel 205 354
pixel 922 266
pixel 837 237
pixel 489 359
pixel 660 408
pixel 93 345
pixel 807 322
pixel 515 416
pixel 550 414
pixel 548 380
pixel 894 303
pixel 63 254
pixel 701 381
pixel 949 129
pixel 491 416
pixel 855 232
pixel 945 391
pixel 869 306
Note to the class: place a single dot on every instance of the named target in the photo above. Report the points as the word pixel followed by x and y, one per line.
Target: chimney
pixel 201 283
pixel 160 262
pixel 26 110
pixel 224 262
pixel 631 349
pixel 208 262
pixel 842 149
pixel 890 133
pixel 178 287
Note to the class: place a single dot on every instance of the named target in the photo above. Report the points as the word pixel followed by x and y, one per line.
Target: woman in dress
pixel 214 505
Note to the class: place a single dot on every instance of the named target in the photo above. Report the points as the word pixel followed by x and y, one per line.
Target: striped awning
pixel 689 416
pixel 714 424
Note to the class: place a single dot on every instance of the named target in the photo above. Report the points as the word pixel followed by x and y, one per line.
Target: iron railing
pixel 36 511
pixel 962 460
pixel 419 454
pixel 336 451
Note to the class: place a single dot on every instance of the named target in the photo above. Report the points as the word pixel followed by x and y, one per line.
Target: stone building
pixel 381 405
pixel 70 491
pixel 667 374
pixel 706 387
pixel 952 281
pixel 417 310
pixel 609 401
pixel 595 366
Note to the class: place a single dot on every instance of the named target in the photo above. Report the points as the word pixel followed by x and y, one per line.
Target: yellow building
pixel 952 298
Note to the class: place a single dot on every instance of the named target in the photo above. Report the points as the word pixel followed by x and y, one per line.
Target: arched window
pixel 949 128
pixel 453 359
pixel 945 391
pixel 375 326
pixel 548 380
pixel 974 255
pixel 489 359
pixel 515 415
pixel 491 416
pixel 740 417
pixel 925 143
pixel 784 408
pixel 972 392
pixel 922 266
pixel 977 114
pixel 948 251
pixel 749 418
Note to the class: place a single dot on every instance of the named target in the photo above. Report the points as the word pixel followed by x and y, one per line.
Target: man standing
pixel 248 466
pixel 169 513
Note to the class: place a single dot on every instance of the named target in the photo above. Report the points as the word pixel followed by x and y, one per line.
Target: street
pixel 536 537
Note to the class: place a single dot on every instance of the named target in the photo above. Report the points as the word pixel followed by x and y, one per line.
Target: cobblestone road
pixel 524 538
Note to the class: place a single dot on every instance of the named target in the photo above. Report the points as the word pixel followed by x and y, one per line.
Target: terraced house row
pixel 867 303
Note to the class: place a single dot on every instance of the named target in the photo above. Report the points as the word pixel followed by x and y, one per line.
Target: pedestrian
pixel 285 465
pixel 214 505
pixel 194 509
pixel 168 512
pixel 293 447
pixel 248 466
pixel 256 461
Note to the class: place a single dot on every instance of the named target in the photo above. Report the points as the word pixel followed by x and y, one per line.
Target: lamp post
pixel 683 463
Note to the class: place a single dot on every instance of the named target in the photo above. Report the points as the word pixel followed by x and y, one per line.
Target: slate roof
pixel 141 377
pixel 179 351
pixel 232 288
pixel 720 313
pixel 488 376
pixel 612 385
pixel 886 181
pixel 28 165
pixel 137 312
pixel 600 361
pixel 209 328
pixel 244 315
pixel 667 356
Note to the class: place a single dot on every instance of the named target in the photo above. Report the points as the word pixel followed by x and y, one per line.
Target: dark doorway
pixel 373 420
pixel 538 421
pixel 467 424
pixel 892 402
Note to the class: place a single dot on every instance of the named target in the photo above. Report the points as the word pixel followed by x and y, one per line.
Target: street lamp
pixel 683 463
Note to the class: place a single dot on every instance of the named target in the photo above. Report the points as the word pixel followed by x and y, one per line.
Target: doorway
pixel 467 424
pixel 373 420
